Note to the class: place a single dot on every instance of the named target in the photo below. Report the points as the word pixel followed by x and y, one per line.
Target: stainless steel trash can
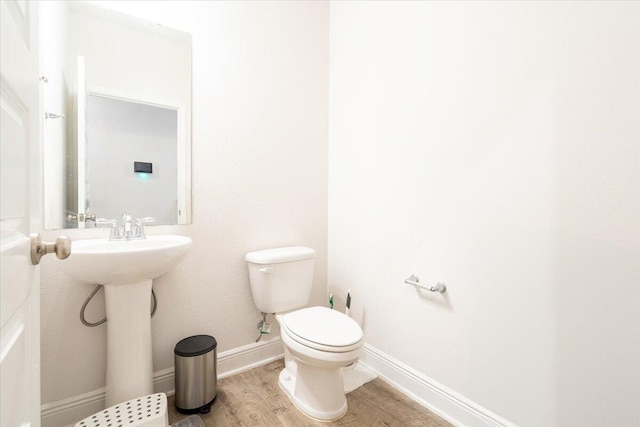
pixel 195 374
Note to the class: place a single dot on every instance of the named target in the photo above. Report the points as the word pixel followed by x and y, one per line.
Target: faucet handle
pixel 104 222
pixel 145 220
pixel 140 222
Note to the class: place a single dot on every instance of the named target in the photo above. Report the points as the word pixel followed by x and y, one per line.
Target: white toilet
pixel 318 342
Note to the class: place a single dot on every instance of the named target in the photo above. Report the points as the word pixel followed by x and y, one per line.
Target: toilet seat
pixel 323 329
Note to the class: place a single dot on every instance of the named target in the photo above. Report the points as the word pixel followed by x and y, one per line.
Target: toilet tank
pixel 281 278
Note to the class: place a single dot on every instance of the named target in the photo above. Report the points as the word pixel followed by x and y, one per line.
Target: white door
pixel 20 200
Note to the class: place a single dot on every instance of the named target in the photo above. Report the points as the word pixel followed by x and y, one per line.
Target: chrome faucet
pixel 128 232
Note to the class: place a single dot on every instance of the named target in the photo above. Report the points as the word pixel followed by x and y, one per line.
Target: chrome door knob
pixel 61 247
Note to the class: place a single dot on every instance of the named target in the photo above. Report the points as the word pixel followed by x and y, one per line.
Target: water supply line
pixel 264 327
pixel 84 320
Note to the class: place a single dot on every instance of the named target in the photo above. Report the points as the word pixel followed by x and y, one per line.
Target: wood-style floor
pixel 253 398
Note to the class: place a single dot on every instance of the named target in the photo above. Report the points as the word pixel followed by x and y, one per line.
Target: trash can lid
pixel 195 345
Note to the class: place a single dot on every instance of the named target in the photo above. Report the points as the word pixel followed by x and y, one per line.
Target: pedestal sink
pixel 126 268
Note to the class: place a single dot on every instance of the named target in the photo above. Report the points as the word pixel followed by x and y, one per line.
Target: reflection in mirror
pixel 121 134
pixel 124 86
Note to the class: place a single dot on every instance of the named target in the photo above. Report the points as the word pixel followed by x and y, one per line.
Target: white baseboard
pixel 439 399
pixel 69 411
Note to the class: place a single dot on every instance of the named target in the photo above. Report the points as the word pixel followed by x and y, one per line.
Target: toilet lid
pixel 323 326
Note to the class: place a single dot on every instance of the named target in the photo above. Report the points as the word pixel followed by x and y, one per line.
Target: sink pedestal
pixel 126 268
pixel 129 358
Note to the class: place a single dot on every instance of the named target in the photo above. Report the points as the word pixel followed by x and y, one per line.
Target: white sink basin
pixel 119 262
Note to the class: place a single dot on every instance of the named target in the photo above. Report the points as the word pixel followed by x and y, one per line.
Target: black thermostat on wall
pixel 143 167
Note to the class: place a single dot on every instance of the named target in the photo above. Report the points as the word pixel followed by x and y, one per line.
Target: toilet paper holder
pixel 415 281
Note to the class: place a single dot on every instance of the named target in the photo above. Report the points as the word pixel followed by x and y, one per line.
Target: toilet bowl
pixel 319 343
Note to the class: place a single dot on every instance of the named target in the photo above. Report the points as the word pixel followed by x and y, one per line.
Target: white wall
pixel 260 100
pixel 494 147
pixel 120 133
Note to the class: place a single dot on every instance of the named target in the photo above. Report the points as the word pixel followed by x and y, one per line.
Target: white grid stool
pixel 146 411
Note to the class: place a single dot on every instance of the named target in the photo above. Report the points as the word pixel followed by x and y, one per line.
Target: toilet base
pixel 321 393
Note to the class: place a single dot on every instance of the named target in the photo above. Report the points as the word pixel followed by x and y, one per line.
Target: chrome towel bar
pixel 415 281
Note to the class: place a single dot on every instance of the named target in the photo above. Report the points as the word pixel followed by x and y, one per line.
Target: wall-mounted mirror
pixel 117 97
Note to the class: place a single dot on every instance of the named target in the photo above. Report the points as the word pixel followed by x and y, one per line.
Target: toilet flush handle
pixel 266 270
